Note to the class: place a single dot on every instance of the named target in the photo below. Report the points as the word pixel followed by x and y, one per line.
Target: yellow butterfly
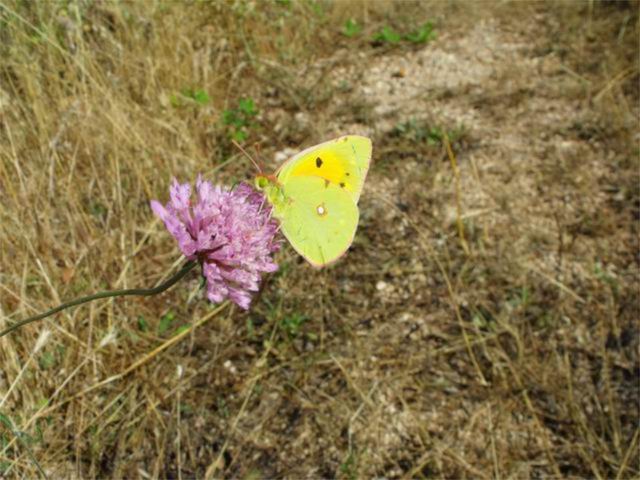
pixel 315 196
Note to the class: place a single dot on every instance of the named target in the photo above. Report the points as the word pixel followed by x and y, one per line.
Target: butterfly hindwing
pixel 343 162
pixel 319 218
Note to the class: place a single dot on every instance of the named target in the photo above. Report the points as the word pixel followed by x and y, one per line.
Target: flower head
pixel 229 230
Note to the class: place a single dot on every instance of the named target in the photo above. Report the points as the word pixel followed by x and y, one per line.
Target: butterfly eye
pixel 261 182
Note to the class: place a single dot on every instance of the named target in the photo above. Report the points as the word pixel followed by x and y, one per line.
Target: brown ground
pixel 483 324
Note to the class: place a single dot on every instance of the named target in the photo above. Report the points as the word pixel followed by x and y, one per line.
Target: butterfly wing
pixel 319 218
pixel 343 162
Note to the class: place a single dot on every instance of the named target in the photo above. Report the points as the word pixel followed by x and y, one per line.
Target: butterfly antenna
pixel 247 155
pixel 256 147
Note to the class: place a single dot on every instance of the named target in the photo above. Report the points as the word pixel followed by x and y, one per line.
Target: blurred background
pixel 483 324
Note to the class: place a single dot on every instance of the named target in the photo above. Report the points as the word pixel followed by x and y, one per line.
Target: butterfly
pixel 315 196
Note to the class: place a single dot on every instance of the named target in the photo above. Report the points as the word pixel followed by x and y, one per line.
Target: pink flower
pixel 229 230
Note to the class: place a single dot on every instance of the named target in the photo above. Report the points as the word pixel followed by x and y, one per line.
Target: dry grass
pixel 485 322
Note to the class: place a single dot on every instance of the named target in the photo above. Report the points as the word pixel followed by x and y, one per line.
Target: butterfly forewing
pixel 343 162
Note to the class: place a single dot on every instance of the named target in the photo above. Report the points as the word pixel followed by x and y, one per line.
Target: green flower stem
pixel 143 292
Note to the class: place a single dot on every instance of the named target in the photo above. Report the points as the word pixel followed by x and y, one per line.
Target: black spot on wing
pixel 341 184
pixel 318 162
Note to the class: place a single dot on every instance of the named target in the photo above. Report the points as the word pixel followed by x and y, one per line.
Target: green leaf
pixel 6 421
pixel 316 7
pixel 422 35
pixel 165 322
pixel 479 321
pixel 201 97
pixel 181 329
pixel 349 466
pixel 222 408
pixel 229 117
pixel 250 328
pixel 175 101
pixel 239 136
pixel 97 209
pixel 387 35
pixel 239 119
pixel 435 136
pixel 247 106
pixel 292 323
pixel 142 324
pixel 351 28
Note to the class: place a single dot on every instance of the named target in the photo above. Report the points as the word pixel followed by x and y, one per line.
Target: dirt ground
pixel 483 324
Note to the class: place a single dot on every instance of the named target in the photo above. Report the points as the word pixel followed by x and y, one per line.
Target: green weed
pixel 180 329
pixel 188 96
pixel 239 120
pixel 351 28
pixel 387 35
pixel 349 467
pixel 423 34
pixel 4 420
pixel 49 359
pixel 604 276
pixel 186 409
pixel 98 210
pixel 291 324
pixel 316 8
pixel 251 329
pixel 143 325
pixel 519 298
pixel 222 407
pixel 432 135
pixel 166 322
